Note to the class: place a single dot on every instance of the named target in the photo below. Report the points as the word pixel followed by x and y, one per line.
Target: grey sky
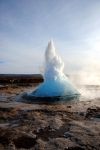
pixel 26 26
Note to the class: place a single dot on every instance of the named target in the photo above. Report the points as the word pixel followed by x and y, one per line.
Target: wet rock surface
pixel 24 142
pixel 93 112
pixel 70 126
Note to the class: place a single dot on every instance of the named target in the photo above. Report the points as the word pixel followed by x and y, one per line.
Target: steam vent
pixel 56 85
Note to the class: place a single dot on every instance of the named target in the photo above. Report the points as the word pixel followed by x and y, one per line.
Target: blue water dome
pixel 56 85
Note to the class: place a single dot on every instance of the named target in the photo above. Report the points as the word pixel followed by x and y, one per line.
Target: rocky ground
pixel 65 126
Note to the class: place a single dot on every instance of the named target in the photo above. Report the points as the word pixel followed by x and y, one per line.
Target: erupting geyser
pixel 56 85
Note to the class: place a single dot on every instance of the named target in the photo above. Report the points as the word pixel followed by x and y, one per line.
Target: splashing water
pixel 53 64
pixel 55 81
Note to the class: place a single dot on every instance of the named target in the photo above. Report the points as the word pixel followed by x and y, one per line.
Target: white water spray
pixel 55 81
pixel 53 63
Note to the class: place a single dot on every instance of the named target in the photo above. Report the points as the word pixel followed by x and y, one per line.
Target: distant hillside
pixel 20 78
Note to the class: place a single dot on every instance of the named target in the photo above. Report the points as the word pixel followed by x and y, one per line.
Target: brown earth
pixel 65 126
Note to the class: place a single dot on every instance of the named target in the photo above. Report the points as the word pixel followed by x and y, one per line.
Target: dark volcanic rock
pixel 4 140
pixel 25 142
pixel 93 112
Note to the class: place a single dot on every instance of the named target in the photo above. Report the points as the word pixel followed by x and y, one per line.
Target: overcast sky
pixel 26 26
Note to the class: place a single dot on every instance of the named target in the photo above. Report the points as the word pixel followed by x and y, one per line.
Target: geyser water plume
pixel 53 63
pixel 56 84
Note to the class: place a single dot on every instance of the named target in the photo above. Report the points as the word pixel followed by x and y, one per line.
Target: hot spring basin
pixel 56 86
pixel 29 98
pixel 52 91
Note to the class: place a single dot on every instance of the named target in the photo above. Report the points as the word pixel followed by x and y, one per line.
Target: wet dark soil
pixel 73 125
